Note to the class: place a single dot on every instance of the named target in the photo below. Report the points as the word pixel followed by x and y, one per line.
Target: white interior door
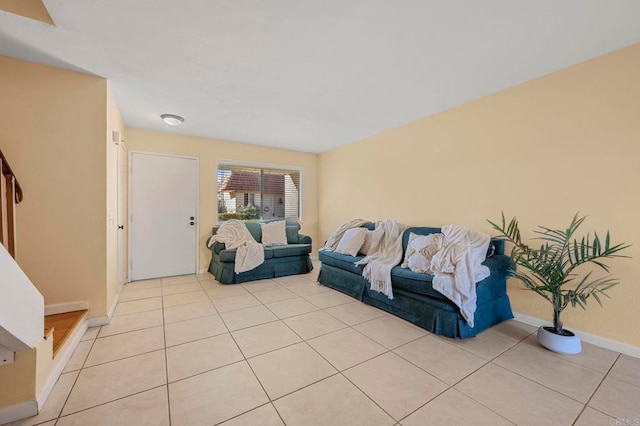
pixel 163 219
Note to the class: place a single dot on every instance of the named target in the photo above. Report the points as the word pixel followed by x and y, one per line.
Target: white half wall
pixel 21 307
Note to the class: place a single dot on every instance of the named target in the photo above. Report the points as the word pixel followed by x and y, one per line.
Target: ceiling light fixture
pixel 172 119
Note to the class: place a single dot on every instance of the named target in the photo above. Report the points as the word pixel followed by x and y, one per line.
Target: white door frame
pixel 197 183
pixel 122 221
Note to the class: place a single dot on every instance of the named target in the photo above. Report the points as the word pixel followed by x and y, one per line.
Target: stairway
pixel 62 326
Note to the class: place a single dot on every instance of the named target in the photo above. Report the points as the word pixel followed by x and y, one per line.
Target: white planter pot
pixel 560 344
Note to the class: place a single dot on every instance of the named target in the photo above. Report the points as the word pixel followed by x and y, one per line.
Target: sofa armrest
pixel 304 239
pixel 217 247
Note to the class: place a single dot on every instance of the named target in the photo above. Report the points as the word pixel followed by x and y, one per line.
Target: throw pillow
pixel 274 233
pixel 424 248
pixel 351 241
pixel 410 250
pixel 371 240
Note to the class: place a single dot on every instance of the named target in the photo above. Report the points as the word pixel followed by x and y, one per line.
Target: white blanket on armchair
pixel 383 257
pixel 235 235
pixel 457 267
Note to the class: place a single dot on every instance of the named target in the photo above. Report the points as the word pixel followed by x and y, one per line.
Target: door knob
pixel 191 223
pixel 120 226
pixel 191 218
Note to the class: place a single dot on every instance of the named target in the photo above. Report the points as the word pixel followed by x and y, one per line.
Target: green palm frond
pixel 550 270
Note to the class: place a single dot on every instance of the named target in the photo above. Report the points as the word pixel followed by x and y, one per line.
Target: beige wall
pixel 209 151
pixel 53 134
pixel 542 151
pixel 114 123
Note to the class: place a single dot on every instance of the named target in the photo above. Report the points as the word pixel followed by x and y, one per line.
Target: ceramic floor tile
pixel 394 384
pixel 181 288
pixel 139 285
pixel 288 369
pixel 53 406
pixel 261 285
pixel 233 303
pixel 618 399
pixel 291 307
pixel 314 324
pixel 79 356
pixel 131 322
pixel 114 380
pixel 454 408
pixel 593 357
pixel 119 346
pixel 274 295
pixel 264 338
pixel 145 408
pixel 187 312
pixel 136 306
pixel 591 417
pixel 562 376
pixel 90 334
pixel 248 317
pixel 307 289
pixel 200 356
pixel 184 298
pixel 517 399
pixel 390 332
pixel 447 362
pixel 194 329
pixel 180 279
pixel 298 278
pixel 354 313
pixel 144 293
pixel 265 415
pixel 333 401
pixel 215 396
pixel 220 291
pixel 207 276
pixel 627 369
pixel 346 348
pixel 495 340
pixel 328 299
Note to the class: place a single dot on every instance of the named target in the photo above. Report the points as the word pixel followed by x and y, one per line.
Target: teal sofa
pixel 279 261
pixel 414 297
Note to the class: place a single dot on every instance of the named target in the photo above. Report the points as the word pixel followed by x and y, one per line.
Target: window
pixel 252 193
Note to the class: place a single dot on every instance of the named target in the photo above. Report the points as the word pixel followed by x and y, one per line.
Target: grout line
pixel 586 404
pixel 166 360
pixel 109 402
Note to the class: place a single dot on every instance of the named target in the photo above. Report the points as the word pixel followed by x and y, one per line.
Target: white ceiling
pixel 313 75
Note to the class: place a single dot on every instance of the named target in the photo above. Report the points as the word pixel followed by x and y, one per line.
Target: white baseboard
pixel 18 411
pixel 61 308
pixel 104 320
pixel 202 271
pixel 614 345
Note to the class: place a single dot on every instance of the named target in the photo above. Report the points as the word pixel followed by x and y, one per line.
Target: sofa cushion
pixel 230 255
pixel 414 282
pixel 341 261
pixel 255 229
pixel 290 250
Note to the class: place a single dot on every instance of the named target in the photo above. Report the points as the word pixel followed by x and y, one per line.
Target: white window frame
pixel 275 166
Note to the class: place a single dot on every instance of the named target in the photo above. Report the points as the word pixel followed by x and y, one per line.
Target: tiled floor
pixel 189 351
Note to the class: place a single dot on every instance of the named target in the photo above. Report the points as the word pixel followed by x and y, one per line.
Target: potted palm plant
pixel 552 272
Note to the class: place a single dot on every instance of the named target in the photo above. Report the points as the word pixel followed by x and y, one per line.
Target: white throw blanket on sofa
pixel 457 267
pixel 235 235
pixel 383 257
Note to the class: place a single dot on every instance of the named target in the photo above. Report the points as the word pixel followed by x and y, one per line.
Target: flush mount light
pixel 172 119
